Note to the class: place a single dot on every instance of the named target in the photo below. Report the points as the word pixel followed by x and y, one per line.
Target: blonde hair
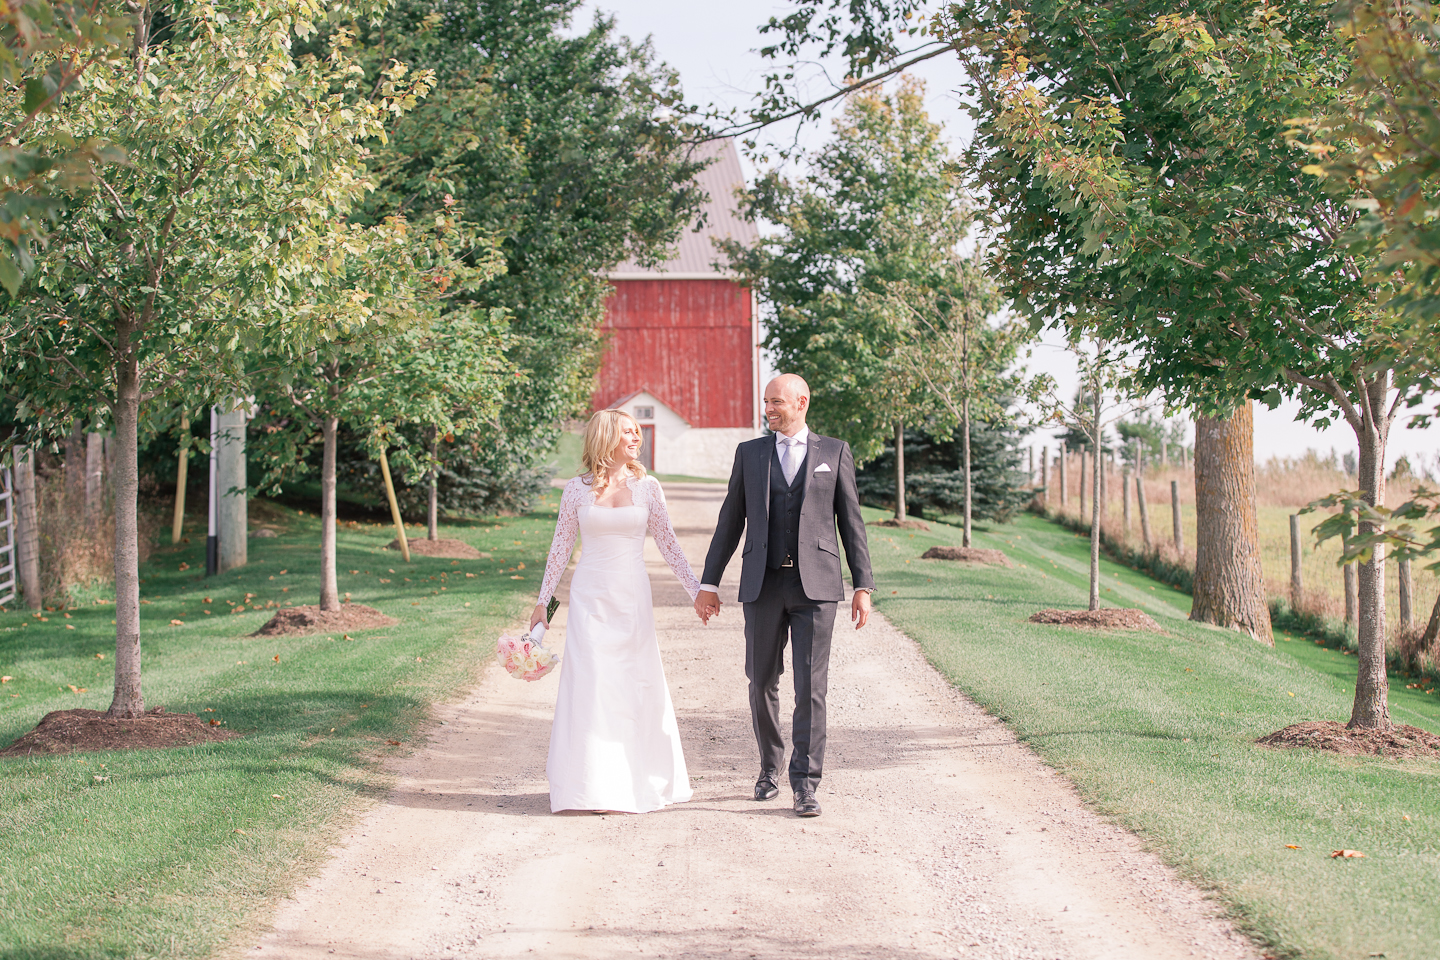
pixel 602 437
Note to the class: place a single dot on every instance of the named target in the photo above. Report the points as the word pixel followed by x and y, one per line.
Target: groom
pixel 787 491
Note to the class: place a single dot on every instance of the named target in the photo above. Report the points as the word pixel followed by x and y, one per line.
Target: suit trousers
pixel 784 612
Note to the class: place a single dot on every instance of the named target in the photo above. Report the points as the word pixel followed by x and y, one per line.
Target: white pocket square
pixel 823 468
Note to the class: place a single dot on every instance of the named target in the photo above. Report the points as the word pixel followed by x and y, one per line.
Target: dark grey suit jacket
pixel 830 499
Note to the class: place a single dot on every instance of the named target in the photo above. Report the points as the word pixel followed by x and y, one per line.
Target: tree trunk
pixel 433 512
pixel 129 701
pixel 329 584
pixel 27 529
pixel 1348 573
pixel 1432 629
pixel 1094 505
pixel 1229 582
pixel 1372 687
pixel 969 487
pixel 94 476
pixel 899 470
pixel 1144 512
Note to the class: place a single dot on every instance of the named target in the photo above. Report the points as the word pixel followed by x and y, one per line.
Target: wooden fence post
pixel 1407 598
pixel 1175 516
pixel 1045 477
pixel 1125 499
pixel 1064 487
pixel 1144 512
pixel 27 528
pixel 1297 587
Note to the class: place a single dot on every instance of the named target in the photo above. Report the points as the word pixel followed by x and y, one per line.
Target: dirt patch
pixel 450 549
pixel 1109 618
pixel 967 555
pixel 1401 741
pixel 301 621
pixel 900 524
pixel 68 731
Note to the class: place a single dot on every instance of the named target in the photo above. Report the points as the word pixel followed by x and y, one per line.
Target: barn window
pixel 644 413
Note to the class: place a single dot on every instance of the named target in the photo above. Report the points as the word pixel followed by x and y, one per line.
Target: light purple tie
pixel 791 461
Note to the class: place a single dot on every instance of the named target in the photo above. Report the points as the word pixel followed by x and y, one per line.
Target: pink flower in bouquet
pixel 524 658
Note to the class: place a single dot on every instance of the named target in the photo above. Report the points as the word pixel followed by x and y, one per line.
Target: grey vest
pixel 785 503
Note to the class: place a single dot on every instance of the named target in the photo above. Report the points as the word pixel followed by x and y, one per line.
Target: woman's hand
pixel 539 617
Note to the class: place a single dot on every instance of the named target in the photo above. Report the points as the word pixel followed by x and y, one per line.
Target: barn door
pixel 647 446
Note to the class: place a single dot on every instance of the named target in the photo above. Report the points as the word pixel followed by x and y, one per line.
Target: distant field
pixel 1283 489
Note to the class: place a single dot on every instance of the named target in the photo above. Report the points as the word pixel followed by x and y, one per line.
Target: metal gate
pixel 7 538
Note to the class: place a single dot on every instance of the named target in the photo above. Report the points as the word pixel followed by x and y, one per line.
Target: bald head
pixel 787 399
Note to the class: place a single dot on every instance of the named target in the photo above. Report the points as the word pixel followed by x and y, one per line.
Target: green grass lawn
pixel 170 853
pixel 1158 730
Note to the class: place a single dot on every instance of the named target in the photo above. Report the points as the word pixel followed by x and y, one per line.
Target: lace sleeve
pixel 664 535
pixel 567 527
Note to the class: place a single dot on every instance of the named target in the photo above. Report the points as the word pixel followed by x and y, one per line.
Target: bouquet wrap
pixel 525 657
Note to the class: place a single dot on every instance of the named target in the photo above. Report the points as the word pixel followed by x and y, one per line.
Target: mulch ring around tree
pixel 900 524
pixel 66 731
pixel 1108 618
pixel 1399 741
pixel 302 621
pixel 967 555
pixel 449 549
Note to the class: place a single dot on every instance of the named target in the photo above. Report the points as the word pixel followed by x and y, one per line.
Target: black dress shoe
pixel 765 788
pixel 805 804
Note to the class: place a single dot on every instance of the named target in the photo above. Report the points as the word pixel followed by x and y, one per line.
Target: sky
pixel 713 46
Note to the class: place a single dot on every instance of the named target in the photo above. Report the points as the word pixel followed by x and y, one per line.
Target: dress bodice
pixel 614 535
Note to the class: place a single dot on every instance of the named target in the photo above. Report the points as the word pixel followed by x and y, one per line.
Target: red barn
pixel 683 352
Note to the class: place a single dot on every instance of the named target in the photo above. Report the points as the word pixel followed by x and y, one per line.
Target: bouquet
pixel 525 658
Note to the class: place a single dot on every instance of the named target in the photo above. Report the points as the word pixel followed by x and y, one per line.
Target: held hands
pixel 707 605
pixel 860 608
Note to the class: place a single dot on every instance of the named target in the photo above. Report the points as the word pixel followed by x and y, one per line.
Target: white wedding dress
pixel 614 744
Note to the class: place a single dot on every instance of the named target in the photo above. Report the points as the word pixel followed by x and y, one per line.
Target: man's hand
pixel 860 608
pixel 707 605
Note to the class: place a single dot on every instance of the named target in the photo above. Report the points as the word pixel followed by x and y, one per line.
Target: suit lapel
pixel 764 453
pixel 814 454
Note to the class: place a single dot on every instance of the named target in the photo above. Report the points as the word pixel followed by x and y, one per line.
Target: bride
pixel 614 745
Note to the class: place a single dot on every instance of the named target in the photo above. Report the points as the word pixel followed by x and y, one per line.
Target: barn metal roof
pixel 695 254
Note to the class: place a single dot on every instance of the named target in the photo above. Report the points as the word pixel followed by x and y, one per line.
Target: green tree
pixel 1141 154
pixel 935 476
pixel 568 149
pixel 225 228
pixel 46 48
pixel 879 206
pixel 950 345
pixel 445 373
pixel 1379 148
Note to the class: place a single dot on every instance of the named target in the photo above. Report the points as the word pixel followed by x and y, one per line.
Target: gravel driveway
pixel 941 836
